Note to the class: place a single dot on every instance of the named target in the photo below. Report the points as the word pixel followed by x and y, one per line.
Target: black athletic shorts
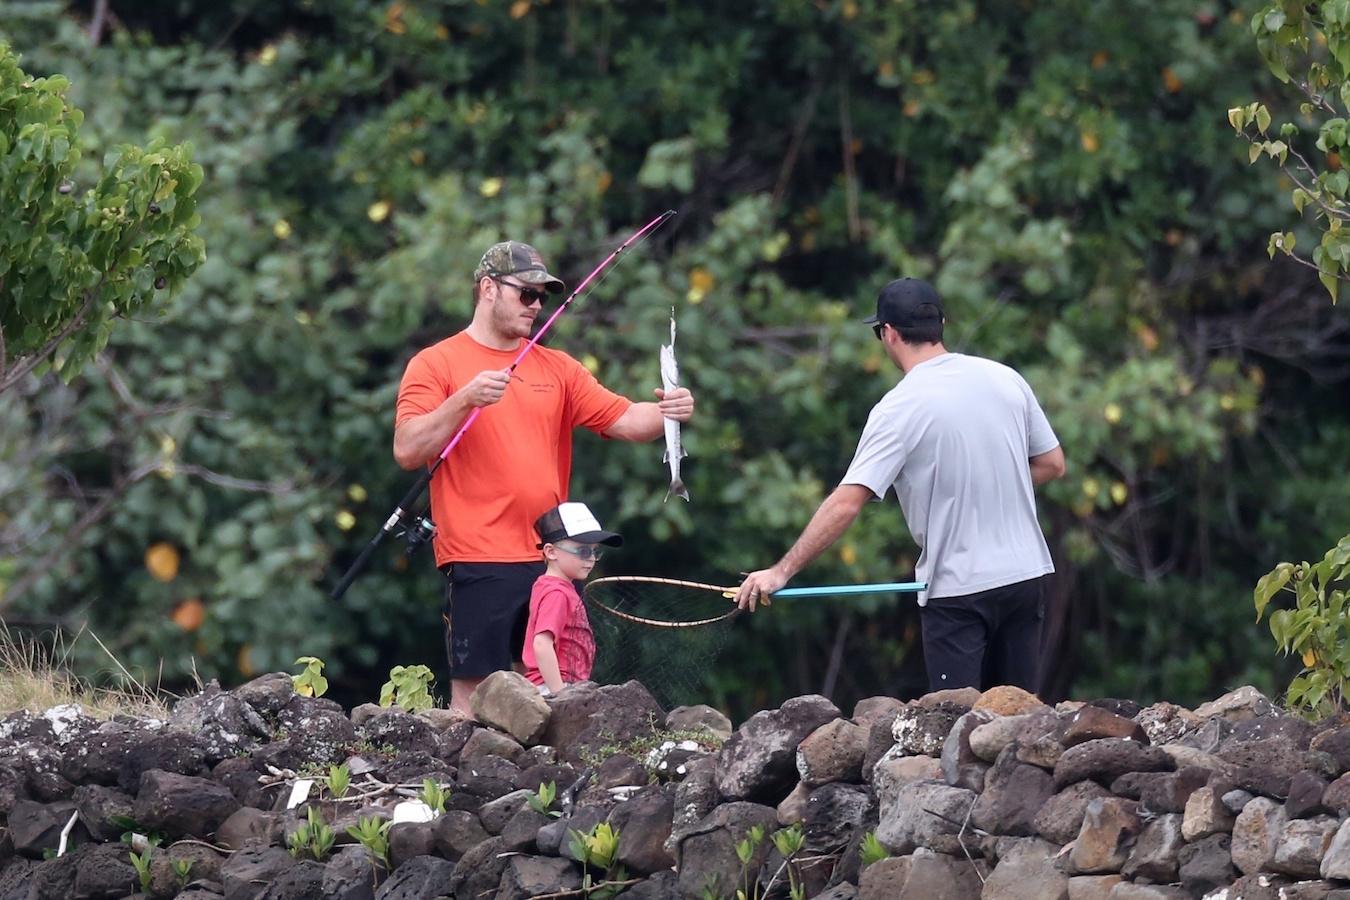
pixel 985 639
pixel 486 608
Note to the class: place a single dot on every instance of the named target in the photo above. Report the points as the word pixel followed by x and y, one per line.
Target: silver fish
pixel 670 380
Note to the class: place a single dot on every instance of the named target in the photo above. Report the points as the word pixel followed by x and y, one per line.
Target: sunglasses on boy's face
pixel 528 295
pixel 585 551
pixel 878 328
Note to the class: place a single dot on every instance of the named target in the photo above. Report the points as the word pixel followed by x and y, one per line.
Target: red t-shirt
pixel 514 462
pixel 556 608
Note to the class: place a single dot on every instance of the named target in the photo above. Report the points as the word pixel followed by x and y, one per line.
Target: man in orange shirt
pixel 513 464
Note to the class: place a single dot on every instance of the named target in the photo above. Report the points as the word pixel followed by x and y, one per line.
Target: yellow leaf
pixel 848 554
pixel 1227 402
pixel 345 520
pixel 417 157
pixel 378 211
pixel 393 18
pixel 591 363
pixel 520 9
pixel 282 229
pixel 1119 492
pixel 162 561
pixel 1171 81
pixel 1309 658
pixel 357 493
pixel 490 187
pixel 850 10
pixel 243 661
pixel 267 55
pixel 1100 58
pixel 1089 141
pixel 1091 488
pixel 701 279
pixel 603 182
pixel 1112 413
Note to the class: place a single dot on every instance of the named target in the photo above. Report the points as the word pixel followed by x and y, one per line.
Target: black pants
pixel 485 613
pixel 985 639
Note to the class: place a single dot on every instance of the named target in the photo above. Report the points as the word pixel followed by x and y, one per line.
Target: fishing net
pixel 664 632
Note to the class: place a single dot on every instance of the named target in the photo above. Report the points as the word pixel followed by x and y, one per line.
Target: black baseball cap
pixel 573 521
pixel 907 302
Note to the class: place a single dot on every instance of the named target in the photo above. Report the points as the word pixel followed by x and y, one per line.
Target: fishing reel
pixel 415 535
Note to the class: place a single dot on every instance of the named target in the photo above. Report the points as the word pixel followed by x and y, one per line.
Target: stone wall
pixel 993 796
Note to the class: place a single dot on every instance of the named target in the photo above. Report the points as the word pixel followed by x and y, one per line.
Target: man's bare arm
pixel 1047 466
pixel 646 421
pixel 422 437
pixel 830 521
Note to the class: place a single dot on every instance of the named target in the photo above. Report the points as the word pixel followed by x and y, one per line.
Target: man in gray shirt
pixel 962 441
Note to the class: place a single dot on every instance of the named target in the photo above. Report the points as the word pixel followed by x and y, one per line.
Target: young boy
pixel 559 646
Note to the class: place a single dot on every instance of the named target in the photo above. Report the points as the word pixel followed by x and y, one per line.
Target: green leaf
pixel 1269 585
pixel 1262 118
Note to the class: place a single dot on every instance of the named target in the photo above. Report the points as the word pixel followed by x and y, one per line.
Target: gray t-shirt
pixel 953 438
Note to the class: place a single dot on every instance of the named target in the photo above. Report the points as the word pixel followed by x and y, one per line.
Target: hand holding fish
pixel 677 404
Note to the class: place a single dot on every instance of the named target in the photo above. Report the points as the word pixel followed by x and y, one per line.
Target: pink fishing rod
pixel 401 511
pixel 548 323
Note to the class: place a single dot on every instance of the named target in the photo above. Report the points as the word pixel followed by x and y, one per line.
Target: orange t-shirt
pixel 514 462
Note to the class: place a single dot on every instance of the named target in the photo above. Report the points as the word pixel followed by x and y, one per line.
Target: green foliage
pixel 182 870
pixel 1315 630
pixel 77 254
pixel 597 851
pixel 1071 188
pixel 130 828
pixel 312 838
pixel 748 852
pixel 433 795
pixel 310 682
pixel 408 687
pixel 373 834
pixel 141 863
pixel 1307 45
pixel 339 779
pixel 542 800
pixel 872 850
pixel 643 745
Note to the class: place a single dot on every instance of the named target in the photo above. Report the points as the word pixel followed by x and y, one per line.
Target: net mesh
pixel 663 632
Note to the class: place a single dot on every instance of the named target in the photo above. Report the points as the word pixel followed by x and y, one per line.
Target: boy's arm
pixel 547 660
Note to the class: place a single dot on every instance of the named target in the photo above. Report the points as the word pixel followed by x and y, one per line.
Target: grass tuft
pixel 36 676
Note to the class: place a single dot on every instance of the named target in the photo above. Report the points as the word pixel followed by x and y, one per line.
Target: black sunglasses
pixel 876 329
pixel 528 295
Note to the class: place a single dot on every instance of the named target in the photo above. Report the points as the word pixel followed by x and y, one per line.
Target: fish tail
pixel 678 489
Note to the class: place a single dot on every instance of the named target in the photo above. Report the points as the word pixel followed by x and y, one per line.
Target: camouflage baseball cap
pixel 519 260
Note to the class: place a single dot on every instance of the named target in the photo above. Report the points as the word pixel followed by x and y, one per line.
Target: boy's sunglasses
pixel 585 551
pixel 528 296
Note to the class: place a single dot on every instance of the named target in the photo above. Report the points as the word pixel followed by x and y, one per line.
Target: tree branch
pixel 10 378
